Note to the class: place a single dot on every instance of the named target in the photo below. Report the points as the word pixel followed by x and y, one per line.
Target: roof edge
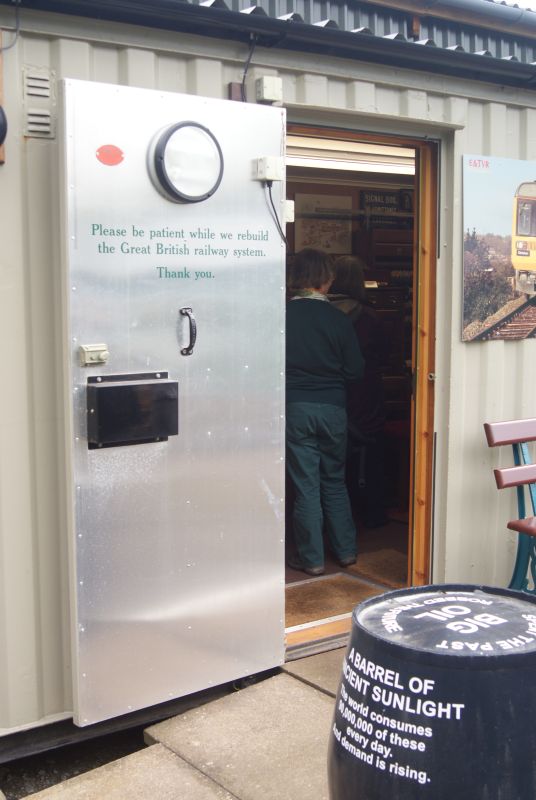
pixel 481 13
pixel 209 20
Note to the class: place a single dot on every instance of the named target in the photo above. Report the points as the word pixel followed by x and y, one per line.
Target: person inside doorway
pixel 322 358
pixel 366 405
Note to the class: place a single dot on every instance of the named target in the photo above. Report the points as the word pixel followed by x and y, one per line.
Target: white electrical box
pixel 270 168
pixel 269 89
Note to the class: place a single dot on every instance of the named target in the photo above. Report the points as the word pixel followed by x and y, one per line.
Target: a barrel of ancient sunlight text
pixel 437 699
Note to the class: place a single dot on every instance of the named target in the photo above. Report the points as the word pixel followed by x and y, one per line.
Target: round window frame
pixel 161 174
pixel 3 126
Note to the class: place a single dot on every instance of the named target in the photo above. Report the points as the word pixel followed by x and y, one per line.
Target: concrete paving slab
pixel 266 742
pixel 151 774
pixel 322 671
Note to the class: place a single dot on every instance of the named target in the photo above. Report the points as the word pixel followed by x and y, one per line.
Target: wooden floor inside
pixel 318 610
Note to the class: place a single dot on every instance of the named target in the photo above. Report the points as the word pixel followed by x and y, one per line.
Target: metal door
pixel 174 345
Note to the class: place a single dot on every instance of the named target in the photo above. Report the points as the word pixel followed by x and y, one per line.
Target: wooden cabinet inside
pixel 393 306
pixel 388 254
pixel 392 250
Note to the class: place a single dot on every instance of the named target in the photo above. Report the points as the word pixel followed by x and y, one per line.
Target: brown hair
pixel 350 277
pixel 310 269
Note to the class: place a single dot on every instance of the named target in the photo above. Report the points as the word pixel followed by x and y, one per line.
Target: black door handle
pixel 187 312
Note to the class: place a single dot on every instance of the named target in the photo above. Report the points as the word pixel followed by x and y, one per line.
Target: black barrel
pixel 438 698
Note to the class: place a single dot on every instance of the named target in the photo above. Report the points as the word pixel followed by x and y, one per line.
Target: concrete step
pixel 265 742
pixel 151 774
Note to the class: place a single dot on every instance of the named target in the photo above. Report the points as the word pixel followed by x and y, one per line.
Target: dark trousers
pixel 365 478
pixel 316 458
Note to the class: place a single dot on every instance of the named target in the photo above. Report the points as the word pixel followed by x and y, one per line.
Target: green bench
pixel 522 476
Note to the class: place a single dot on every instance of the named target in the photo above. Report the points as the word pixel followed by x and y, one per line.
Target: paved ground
pixel 34 773
pixel 265 742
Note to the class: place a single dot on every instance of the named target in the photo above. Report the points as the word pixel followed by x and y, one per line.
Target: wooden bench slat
pixel 518 433
pixel 515 476
pixel 526 526
pixel 512 432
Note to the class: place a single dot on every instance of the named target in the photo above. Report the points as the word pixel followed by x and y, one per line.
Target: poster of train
pixel 499 248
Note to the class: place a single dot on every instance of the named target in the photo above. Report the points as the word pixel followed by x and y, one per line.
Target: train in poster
pixel 524 237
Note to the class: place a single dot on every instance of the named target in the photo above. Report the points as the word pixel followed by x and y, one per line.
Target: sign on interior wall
pixel 386 209
pixel 499 248
pixel 325 222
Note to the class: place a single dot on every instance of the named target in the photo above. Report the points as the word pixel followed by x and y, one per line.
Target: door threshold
pixel 317 636
pixel 317 622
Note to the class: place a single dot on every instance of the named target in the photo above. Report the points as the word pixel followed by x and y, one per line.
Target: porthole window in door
pixel 186 162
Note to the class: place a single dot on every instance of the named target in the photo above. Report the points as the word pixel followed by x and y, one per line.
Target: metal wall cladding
pixel 476 382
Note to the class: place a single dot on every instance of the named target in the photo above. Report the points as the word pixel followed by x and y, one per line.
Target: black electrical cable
pixel 280 229
pixel 253 44
pixel 17 27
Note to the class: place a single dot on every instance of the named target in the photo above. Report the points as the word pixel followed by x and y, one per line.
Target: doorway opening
pixel 363 196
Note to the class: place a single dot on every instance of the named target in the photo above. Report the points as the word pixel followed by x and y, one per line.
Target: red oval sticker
pixel 110 155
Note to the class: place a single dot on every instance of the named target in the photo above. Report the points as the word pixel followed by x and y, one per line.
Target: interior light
pixel 317 153
pixel 185 162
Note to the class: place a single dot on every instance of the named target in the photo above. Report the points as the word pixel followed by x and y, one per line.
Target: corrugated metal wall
pixel 476 382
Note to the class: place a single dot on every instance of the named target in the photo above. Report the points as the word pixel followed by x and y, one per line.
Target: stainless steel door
pixel 176 545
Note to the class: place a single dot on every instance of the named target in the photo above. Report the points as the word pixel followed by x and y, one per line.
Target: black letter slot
pixel 131 409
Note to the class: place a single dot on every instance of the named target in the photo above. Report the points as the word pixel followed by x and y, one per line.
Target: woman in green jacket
pixel 322 357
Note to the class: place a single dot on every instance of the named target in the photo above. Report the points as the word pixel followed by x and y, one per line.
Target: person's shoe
pixel 295 562
pixel 348 561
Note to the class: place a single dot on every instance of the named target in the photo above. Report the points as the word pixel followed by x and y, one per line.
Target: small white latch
pixel 91 354
pixel 289 211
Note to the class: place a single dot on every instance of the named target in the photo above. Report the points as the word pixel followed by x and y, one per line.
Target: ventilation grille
pixel 37 85
pixel 38 122
pixel 39 103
